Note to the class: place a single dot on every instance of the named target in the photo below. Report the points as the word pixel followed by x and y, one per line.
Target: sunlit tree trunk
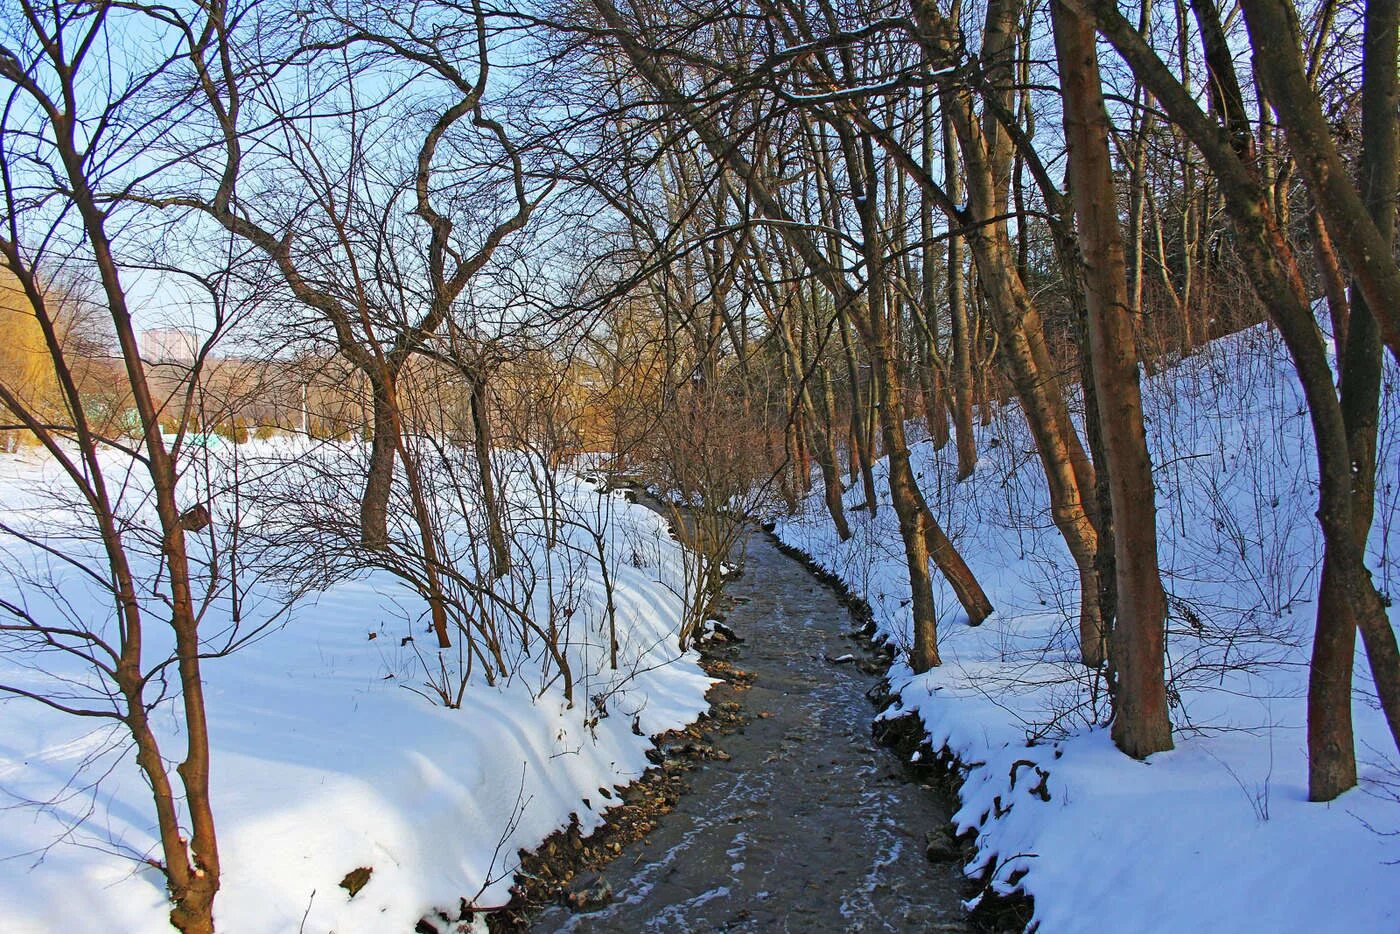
pixel 1140 723
pixel 961 331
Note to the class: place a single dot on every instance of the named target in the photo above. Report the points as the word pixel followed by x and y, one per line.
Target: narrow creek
pixel 809 826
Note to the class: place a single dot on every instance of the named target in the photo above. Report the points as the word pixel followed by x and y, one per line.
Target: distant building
pixel 169 345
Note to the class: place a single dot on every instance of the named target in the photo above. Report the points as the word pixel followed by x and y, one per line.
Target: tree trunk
pixel 193 868
pixel 917 526
pixel 957 313
pixel 861 442
pixel 1331 745
pixel 495 529
pixel 1334 283
pixel 1140 725
pixel 935 409
pixel 379 477
pixel 423 518
pixel 818 426
pixel 826 449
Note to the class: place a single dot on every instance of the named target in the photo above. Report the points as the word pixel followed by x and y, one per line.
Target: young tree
pixel 340 241
pixel 71 130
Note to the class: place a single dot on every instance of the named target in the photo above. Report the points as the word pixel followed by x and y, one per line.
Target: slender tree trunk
pixel 861 443
pixel 423 519
pixel 961 336
pixel 826 446
pixel 193 870
pixel 379 477
pixel 1138 184
pixel 1140 725
pixel 818 426
pixel 1334 283
pixel 922 536
pixel 496 539
pixel 935 409
pixel 800 435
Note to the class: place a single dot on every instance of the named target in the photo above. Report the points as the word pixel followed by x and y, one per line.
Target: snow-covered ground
pixel 1218 833
pixel 327 755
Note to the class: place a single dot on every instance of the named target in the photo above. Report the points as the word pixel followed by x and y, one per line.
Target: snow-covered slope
pixel 1217 834
pixel 325 759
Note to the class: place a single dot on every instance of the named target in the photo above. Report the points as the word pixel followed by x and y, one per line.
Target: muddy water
pixel 809 826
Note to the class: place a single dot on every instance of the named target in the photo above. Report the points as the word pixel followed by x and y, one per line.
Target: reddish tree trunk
pixel 1140 724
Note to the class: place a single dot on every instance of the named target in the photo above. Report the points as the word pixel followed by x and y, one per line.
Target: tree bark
pixel 861 442
pixel 379 476
pixel 935 392
pixel 957 314
pixel 1331 743
pixel 1334 283
pixel 818 426
pixel 496 540
pixel 1140 724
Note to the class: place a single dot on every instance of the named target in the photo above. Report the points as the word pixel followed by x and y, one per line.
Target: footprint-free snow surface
pixel 809 825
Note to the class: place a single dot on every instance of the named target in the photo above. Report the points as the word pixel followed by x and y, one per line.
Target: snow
pixel 1216 834
pixel 324 756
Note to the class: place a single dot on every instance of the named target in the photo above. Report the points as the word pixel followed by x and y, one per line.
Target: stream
pixel 809 826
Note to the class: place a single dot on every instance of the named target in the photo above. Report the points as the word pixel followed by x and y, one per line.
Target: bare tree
pixel 340 219
pixel 1228 147
pixel 69 138
pixel 1140 724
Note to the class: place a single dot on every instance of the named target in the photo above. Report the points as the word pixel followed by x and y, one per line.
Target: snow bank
pixel 1217 834
pixel 325 759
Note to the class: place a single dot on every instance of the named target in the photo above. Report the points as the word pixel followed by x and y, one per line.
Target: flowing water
pixel 809 826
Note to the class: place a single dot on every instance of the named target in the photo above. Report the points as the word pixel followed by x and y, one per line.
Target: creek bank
pixel 803 822
pixel 563 870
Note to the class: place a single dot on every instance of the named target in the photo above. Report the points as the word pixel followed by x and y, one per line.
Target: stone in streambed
pixel 940 846
pixel 589 898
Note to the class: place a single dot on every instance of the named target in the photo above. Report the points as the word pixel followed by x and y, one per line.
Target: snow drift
pixel 328 752
pixel 1217 834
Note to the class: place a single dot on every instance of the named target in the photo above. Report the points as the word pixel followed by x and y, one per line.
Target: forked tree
pixel 382 254
pixel 70 128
